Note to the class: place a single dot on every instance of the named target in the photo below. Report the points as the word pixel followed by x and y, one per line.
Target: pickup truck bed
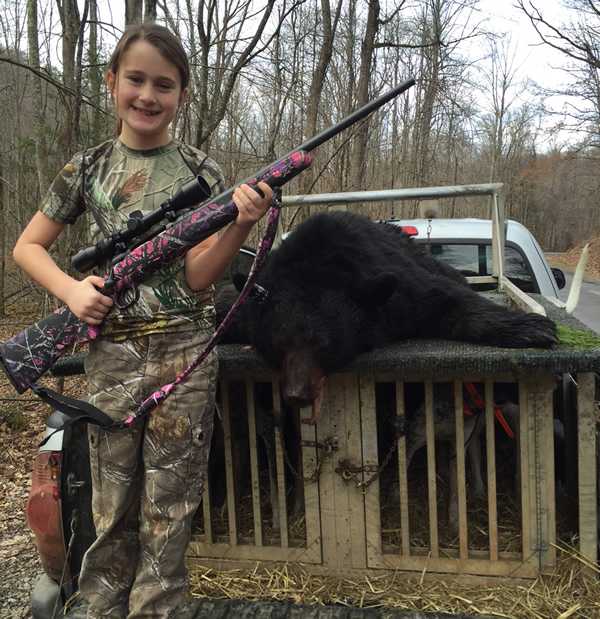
pixel 434 357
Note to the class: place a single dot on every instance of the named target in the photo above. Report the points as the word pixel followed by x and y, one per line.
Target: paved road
pixel 588 309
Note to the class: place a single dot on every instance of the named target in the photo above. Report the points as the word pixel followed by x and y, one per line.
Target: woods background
pixel 267 75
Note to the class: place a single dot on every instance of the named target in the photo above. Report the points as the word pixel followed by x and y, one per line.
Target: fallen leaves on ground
pixel 570 258
pixel 22 422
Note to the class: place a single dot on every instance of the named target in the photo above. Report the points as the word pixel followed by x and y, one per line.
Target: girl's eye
pixel 165 87
pixel 135 80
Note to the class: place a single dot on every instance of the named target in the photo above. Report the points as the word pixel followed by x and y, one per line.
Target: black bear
pixel 341 285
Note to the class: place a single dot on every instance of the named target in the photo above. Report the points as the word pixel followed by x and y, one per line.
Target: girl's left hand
pixel 250 205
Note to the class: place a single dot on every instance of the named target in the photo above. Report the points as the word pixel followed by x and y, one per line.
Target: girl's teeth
pixel 145 112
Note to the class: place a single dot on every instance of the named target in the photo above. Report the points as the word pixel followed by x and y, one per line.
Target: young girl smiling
pixel 147 481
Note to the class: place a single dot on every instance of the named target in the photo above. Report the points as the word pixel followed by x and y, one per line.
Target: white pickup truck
pixel 466 245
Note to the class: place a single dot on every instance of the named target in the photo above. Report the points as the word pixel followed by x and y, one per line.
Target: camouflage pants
pixel 147 481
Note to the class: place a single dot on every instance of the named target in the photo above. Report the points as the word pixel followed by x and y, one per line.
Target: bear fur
pixel 341 285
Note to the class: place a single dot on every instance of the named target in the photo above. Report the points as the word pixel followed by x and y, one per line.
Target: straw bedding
pixel 571 590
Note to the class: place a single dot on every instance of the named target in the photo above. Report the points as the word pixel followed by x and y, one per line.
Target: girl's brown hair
pixel 168 45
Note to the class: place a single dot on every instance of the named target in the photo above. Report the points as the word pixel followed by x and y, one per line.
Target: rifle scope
pixel 191 193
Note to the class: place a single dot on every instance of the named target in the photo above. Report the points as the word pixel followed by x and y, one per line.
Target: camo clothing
pixel 147 480
pixel 110 182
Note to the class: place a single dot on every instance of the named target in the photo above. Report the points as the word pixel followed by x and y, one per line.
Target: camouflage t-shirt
pixel 107 183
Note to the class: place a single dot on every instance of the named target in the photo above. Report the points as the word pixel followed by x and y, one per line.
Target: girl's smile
pixel 147 92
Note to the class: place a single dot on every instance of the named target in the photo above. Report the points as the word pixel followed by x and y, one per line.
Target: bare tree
pixel 577 39
pixel 94 73
pixel 150 10
pixel 16 120
pixel 41 149
pixel 133 11
pixel 75 137
pixel 225 49
pixel 329 27
pixel 358 165
pixel 499 82
pixel 278 92
pixel 71 34
pixel 3 208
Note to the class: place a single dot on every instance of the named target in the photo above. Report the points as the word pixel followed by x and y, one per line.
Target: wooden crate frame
pixel 343 525
pixel 206 546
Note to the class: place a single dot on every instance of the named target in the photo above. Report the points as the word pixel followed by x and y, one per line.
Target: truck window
pixel 476 259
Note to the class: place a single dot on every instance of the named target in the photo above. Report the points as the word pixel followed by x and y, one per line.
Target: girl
pixel 147 482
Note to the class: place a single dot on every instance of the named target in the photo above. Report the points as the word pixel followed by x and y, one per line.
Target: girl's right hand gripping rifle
pixel 31 353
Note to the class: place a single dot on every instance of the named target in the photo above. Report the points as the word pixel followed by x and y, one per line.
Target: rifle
pixel 31 353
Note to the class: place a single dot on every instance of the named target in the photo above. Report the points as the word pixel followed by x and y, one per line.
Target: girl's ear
pixel 111 80
pixel 183 96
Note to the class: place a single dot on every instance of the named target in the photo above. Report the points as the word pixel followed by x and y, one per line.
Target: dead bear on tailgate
pixel 341 285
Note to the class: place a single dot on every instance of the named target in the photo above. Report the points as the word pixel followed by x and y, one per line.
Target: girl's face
pixel 147 92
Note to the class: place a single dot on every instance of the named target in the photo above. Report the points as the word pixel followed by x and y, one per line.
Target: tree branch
pixel 53 82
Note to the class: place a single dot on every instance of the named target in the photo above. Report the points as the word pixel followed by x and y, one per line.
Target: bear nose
pixel 300 377
pixel 298 401
pixel 298 394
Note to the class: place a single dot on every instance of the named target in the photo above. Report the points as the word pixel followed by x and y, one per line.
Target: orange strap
pixel 502 421
pixel 470 387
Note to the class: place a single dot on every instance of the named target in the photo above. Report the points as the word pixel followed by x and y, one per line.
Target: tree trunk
pixel 71 60
pixel 225 50
pixel 3 205
pixel 95 74
pixel 359 153
pixel 70 22
pixel 41 148
pixel 318 79
pixel 150 10
pixel 350 91
pixel 75 138
pixel 133 12
pixel 430 94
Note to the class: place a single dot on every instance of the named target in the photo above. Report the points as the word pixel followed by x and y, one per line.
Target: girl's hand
pixel 86 302
pixel 250 205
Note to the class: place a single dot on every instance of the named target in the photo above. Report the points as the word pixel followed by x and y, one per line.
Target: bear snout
pixel 302 378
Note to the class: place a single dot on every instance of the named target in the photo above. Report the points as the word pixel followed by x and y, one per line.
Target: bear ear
pixel 239 281
pixel 377 291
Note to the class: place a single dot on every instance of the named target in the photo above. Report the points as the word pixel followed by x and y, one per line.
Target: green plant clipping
pixel 576 338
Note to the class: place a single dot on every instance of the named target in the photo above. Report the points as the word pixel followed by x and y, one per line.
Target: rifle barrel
pixel 355 116
pixel 328 133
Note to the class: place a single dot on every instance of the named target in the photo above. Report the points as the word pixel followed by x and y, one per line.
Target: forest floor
pixel 22 423
pixel 18 555
pixel 21 426
pixel 21 429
